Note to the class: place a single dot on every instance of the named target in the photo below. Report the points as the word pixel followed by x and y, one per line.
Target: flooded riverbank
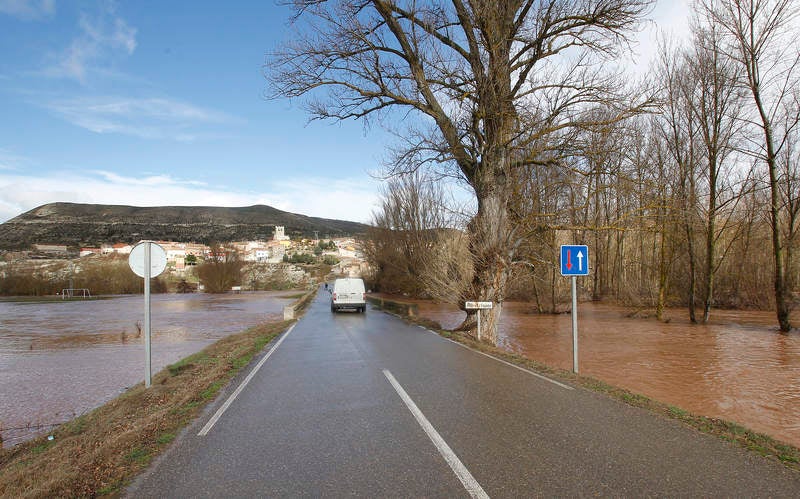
pixel 59 360
pixel 739 367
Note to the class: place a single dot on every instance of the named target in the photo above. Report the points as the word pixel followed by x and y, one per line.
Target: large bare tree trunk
pixel 489 246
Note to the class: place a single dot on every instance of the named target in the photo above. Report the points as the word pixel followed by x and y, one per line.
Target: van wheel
pixel 333 309
pixel 363 309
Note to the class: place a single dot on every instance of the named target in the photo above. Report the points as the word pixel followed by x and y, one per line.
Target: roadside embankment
pixel 100 452
pixel 291 311
pixel 726 430
pixel 399 307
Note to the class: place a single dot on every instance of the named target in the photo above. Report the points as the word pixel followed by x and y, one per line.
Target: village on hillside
pixel 263 258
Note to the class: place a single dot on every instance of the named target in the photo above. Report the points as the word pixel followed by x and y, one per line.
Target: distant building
pixel 347 252
pixel 280 234
pixel 89 251
pixel 122 248
pixel 195 249
pixel 174 251
pixel 50 248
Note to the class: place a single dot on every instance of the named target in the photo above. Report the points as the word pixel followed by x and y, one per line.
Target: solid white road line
pixel 473 487
pixel 221 410
pixel 562 385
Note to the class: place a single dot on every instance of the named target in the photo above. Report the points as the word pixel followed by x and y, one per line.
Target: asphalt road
pixel 331 413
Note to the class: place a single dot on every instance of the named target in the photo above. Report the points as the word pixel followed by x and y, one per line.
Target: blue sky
pixel 162 103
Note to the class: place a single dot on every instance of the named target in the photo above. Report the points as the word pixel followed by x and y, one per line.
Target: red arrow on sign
pixel 569 260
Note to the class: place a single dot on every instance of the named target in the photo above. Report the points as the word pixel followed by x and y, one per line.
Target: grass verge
pixel 726 430
pixel 101 451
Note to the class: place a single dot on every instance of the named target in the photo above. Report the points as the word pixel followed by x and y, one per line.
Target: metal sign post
pixel 147 260
pixel 478 305
pixel 147 352
pixel 574 325
pixel 574 262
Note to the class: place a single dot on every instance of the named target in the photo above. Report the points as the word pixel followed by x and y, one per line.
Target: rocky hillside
pixel 78 225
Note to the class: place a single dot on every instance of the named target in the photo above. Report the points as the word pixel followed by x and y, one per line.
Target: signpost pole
pixel 479 324
pixel 574 262
pixel 478 305
pixel 147 270
pixel 574 326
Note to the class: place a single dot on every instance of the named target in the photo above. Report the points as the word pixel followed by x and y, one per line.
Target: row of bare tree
pixel 685 188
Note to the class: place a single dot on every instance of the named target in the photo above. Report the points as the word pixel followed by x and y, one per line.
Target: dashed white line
pixel 473 487
pixel 221 410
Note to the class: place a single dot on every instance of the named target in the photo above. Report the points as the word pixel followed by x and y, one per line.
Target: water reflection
pixel 58 360
pixel 739 367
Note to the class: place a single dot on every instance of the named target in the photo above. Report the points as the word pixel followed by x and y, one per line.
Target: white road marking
pixel 473 487
pixel 221 410
pixel 562 385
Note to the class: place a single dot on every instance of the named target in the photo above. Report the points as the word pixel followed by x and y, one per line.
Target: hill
pixel 78 225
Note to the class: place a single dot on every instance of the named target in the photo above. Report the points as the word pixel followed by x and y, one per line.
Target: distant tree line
pixel 106 277
pixel 678 184
pixel 694 203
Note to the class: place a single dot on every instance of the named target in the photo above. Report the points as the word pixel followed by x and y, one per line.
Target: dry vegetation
pixel 98 453
pixel 102 276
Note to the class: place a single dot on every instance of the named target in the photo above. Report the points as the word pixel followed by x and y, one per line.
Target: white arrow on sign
pixel 580 261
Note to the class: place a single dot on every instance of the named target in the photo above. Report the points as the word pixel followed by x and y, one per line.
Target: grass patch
pixel 41 447
pixel 189 362
pixel 100 452
pixel 726 430
pixel 212 390
pixel 165 438
pixel 139 455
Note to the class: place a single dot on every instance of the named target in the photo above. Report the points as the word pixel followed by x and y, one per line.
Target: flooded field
pixel 739 367
pixel 61 359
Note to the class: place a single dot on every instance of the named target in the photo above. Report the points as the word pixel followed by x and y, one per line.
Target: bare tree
pixel 678 126
pixel 411 245
pixel 221 270
pixel 488 82
pixel 716 100
pixel 761 41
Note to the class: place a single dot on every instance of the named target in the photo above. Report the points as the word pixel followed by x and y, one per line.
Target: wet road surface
pixel 738 367
pixel 366 405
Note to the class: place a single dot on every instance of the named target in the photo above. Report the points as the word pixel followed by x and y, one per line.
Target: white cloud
pixel 149 118
pixel 101 41
pixel 28 9
pixel 345 199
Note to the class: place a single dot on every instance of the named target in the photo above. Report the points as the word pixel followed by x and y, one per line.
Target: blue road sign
pixel 574 260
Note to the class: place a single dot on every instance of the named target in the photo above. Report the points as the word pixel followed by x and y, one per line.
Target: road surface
pixel 366 405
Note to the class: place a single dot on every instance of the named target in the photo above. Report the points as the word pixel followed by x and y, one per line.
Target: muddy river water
pixel 738 367
pixel 59 360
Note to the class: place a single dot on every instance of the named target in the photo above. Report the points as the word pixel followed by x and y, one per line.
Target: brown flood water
pixel 59 360
pixel 739 367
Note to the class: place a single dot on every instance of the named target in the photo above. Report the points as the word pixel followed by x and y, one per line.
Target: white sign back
pixel 158 259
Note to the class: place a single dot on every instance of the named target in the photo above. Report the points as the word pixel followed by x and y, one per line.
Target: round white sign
pixel 158 259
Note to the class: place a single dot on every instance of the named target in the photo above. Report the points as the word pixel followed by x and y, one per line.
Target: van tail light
pixel 334 296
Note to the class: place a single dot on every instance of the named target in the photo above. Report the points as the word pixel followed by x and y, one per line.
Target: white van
pixel 348 293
